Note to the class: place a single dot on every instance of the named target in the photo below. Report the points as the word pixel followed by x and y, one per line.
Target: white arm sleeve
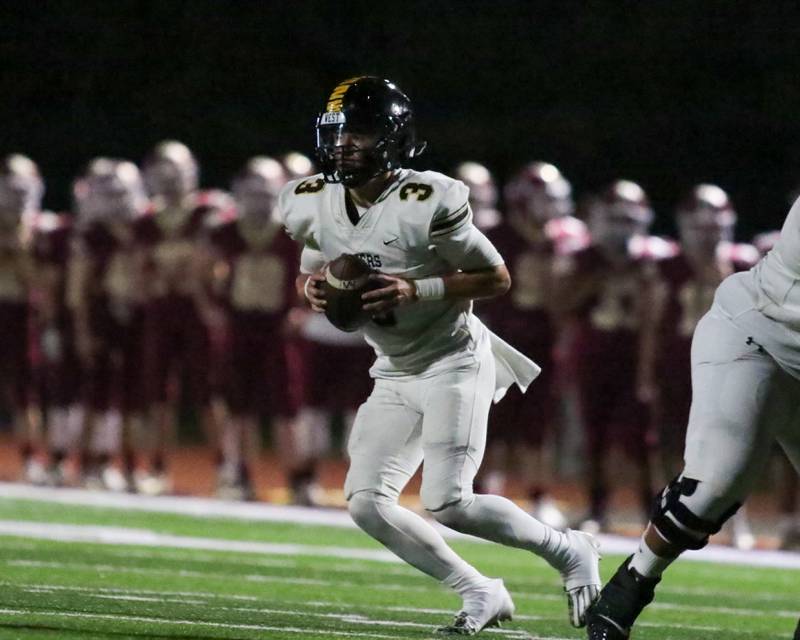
pixel 455 238
pixel 468 249
pixel 311 260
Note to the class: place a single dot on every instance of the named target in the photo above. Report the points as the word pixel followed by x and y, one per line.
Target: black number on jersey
pixel 373 260
pixel 310 186
pixel 419 191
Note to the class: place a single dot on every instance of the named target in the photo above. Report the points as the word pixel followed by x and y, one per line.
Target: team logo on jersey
pixel 337 96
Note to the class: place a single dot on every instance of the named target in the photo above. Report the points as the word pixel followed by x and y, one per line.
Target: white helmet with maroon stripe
pixel 539 192
pixel 621 213
pixel 297 165
pixel 110 190
pixel 482 193
pixel 21 188
pixel 256 187
pixel 705 218
pixel 170 171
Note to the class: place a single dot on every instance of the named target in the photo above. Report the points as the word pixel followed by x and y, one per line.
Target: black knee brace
pixel 668 509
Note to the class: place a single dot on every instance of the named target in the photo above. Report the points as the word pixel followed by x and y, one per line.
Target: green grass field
pixel 179 576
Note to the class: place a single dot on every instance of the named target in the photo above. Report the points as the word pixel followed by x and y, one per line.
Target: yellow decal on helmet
pixel 337 96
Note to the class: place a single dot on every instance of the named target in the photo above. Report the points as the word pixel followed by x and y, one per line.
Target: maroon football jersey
pixel 530 254
pixel 261 265
pixel 170 237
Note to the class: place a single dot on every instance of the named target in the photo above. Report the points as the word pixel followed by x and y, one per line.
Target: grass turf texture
pixel 55 589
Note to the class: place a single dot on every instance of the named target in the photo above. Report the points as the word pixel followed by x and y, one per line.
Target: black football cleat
pixel 797 631
pixel 620 603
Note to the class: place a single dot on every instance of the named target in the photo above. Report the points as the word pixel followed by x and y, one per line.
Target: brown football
pixel 346 279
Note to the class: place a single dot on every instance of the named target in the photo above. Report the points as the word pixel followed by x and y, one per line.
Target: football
pixel 346 279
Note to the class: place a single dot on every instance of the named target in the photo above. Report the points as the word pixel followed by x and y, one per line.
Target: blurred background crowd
pixel 155 313
pixel 151 334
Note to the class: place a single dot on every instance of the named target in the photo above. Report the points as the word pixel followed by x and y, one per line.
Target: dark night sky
pixel 665 93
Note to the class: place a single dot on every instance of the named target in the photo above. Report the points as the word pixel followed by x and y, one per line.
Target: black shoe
pixel 620 603
pixel 797 631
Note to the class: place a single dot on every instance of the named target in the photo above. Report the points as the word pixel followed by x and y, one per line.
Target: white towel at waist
pixel 512 367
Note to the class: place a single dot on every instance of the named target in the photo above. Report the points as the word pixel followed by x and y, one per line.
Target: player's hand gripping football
pixel 314 293
pixel 393 292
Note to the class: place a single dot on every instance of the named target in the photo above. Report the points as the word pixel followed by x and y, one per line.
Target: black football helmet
pixel 367 128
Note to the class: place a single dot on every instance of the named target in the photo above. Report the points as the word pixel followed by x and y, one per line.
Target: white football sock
pixel 413 539
pixel 58 429
pixel 648 563
pixel 107 433
pixel 498 519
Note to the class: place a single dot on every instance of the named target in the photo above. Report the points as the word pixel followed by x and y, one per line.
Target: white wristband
pixel 430 288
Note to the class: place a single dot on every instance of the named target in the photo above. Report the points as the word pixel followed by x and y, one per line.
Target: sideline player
pixel 104 296
pixel 745 397
pixel 256 267
pixel 437 368
pixel 604 292
pixel 538 233
pixel 179 316
pixel 21 189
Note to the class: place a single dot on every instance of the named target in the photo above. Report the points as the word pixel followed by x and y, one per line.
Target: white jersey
pixel 777 276
pixel 765 301
pixel 418 228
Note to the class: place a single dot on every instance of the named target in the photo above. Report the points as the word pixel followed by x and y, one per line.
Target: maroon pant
pixel 177 345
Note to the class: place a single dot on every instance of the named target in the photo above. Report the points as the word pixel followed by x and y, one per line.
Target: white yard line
pixel 359 567
pixel 147 538
pixel 187 623
pixel 207 507
pixel 380 586
pixel 185 573
pixel 353 618
pixel 90 590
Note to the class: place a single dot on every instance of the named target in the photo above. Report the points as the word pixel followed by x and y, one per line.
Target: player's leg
pixel 789 440
pixel 246 389
pixel 456 406
pixel 741 400
pixel 385 450
pixel 160 351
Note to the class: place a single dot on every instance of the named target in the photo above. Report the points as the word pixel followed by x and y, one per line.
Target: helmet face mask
pixel 256 188
pixel 620 214
pixel 540 193
pixel 170 170
pixel 705 219
pixel 110 192
pixel 366 130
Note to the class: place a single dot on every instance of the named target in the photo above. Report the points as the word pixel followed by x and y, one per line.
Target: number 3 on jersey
pixel 310 186
pixel 419 191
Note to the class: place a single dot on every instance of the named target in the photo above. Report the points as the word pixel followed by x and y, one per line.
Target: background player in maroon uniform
pixel 606 291
pixel 482 194
pixel 683 293
pixel 256 269
pixel 21 189
pixel 178 311
pixel 537 232
pixel 56 363
pixel 105 296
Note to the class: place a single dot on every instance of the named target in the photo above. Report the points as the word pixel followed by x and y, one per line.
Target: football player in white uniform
pixel 437 368
pixel 745 397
